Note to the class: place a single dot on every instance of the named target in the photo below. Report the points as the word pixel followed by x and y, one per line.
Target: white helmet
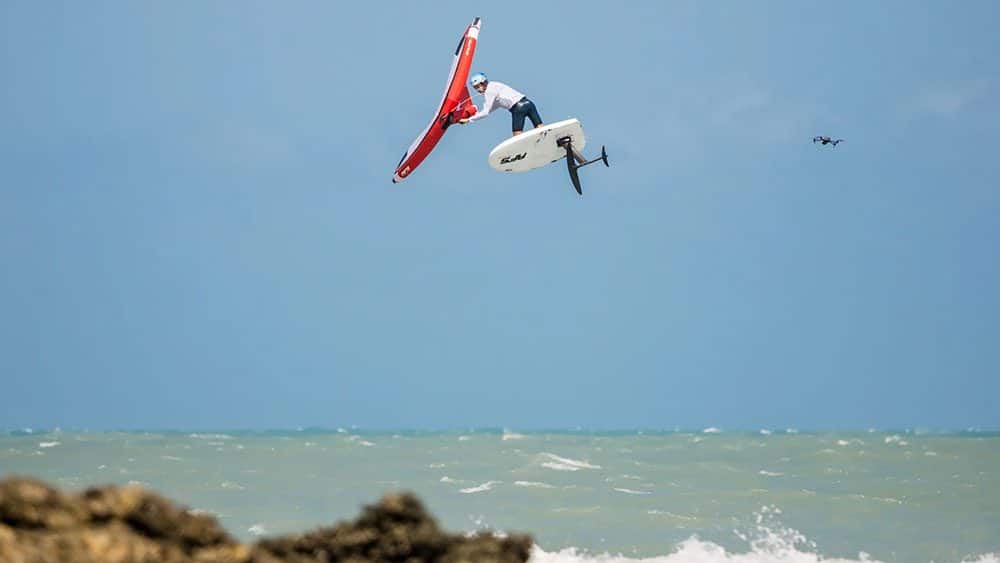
pixel 477 79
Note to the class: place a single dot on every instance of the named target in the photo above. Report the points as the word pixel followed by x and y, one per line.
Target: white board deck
pixel 537 147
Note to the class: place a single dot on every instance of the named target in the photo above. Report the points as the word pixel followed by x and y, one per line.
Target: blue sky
pixel 198 229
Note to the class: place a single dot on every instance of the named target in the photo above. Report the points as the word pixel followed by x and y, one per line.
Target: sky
pixel 198 228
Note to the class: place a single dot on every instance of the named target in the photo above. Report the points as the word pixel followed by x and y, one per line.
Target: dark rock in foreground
pixel 40 524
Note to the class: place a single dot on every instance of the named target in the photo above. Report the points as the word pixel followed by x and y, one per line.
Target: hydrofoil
pixel 545 145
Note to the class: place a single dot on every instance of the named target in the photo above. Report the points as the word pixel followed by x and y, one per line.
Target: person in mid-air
pixel 824 140
pixel 498 94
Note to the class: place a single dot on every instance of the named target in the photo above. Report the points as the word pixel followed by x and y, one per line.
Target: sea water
pixel 700 496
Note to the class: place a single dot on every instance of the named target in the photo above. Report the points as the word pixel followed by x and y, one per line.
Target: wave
pixel 632 492
pixel 481 488
pixel 198 436
pixel 694 550
pixel 566 464
pixel 534 484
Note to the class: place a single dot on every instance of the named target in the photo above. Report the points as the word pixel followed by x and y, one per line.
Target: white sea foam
pixel 232 486
pixel 711 430
pixel 770 473
pixel 447 479
pixel 694 550
pixel 257 530
pixel 170 458
pixel 896 439
pixel 49 444
pixel 464 438
pixel 566 464
pixel 436 465
pixel 877 499
pixel 198 436
pixel 535 484
pixel 360 441
pixel 481 488
pixel 765 432
pixel 507 435
pixel 658 512
pixel 631 491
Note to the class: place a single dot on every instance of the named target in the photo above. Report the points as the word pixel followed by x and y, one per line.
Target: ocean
pixel 700 496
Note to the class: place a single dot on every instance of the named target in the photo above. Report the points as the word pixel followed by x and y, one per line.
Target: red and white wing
pixel 456 103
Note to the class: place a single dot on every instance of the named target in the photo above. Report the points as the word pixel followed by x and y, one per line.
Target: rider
pixel 498 94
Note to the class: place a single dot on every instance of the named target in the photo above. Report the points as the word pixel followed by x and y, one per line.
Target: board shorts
pixel 520 110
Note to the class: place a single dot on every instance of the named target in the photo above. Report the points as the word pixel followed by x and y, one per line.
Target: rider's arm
pixel 487 107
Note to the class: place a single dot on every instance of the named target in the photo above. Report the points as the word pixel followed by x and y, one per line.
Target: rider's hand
pixel 464 121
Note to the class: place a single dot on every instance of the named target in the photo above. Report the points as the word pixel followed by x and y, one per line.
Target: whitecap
pixel 559 466
pixel 770 473
pixel 631 491
pixel 774 547
pixel 567 462
pixel 535 484
pixel 481 488
pixel 197 436
pixel 360 441
pixel 658 512
pixel 464 438
pixel 888 500
pixel 49 444
pixel 170 458
pixel 447 479
pixel 765 432
pixel 257 530
pixel 230 485
pixel 711 430
pixel 511 436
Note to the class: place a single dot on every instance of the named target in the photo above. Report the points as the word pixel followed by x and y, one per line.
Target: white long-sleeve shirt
pixel 497 94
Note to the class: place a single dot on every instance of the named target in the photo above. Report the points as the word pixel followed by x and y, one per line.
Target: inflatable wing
pixel 455 104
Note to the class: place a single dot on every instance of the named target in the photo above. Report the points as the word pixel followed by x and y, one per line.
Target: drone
pixel 823 140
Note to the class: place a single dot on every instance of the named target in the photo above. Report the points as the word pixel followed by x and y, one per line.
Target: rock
pixel 40 524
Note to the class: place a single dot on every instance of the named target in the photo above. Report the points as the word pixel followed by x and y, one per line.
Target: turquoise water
pixel 622 496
